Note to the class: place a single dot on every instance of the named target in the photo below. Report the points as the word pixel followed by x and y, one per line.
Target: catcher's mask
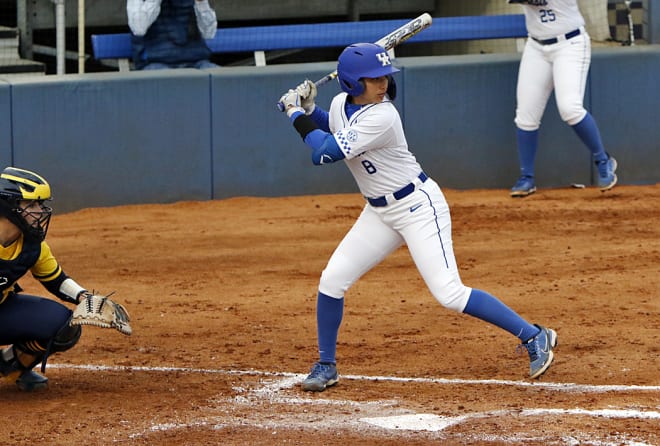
pixel 362 60
pixel 23 197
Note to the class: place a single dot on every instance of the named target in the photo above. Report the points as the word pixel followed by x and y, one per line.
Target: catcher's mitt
pixel 101 312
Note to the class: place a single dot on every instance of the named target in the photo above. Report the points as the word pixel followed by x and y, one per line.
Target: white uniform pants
pixel 564 66
pixel 422 221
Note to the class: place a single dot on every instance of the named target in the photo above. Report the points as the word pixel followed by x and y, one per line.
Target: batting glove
pixel 292 102
pixel 307 91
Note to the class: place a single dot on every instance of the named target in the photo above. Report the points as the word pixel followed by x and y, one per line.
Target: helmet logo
pixel 384 59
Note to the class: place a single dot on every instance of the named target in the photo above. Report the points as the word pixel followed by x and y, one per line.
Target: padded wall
pixel 459 115
pixel 109 139
pixel 256 149
pixel 625 92
pixel 155 137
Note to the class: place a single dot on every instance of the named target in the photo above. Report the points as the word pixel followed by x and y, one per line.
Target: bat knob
pixel 280 106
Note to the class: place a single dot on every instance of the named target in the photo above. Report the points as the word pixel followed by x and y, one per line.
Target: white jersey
pixel 375 146
pixel 546 19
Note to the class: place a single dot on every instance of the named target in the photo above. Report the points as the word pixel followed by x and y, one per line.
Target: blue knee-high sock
pixel 490 309
pixel 528 142
pixel 587 131
pixel 329 313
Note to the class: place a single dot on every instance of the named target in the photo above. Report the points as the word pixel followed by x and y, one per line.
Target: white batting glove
pixel 307 91
pixel 292 102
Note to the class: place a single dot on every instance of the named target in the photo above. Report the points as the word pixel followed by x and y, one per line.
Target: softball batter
pixel 404 206
pixel 557 55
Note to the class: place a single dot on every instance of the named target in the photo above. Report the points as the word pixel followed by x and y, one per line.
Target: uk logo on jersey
pixel 351 135
pixel 384 59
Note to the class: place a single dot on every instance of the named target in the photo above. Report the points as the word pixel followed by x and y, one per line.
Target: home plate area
pixel 492 411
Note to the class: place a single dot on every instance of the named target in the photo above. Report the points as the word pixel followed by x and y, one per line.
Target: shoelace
pixel 522 181
pixel 531 347
pixel 603 168
pixel 319 371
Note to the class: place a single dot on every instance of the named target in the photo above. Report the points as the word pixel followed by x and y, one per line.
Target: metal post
pixel 60 35
pixel 24 13
pixel 81 36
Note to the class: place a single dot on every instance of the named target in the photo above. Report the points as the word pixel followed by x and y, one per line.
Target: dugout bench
pixel 259 39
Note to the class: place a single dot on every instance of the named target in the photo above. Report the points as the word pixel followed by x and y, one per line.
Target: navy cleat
pixel 31 381
pixel 523 187
pixel 540 351
pixel 607 179
pixel 26 380
pixel 321 376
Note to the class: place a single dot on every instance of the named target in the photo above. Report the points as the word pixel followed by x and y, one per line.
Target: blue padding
pixel 111 46
pixel 106 139
pixel 320 35
pixel 345 33
pixel 459 113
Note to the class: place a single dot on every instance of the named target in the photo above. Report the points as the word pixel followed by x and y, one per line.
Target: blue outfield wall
pixel 110 139
pixel 104 140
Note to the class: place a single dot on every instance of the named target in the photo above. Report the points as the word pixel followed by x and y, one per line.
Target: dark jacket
pixel 173 38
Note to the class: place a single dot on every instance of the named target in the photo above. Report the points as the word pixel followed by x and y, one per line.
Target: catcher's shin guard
pixel 17 359
pixel 66 338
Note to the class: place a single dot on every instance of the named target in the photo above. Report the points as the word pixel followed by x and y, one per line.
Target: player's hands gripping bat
pixel 388 42
pixel 100 311
pixel 291 102
pixel 307 91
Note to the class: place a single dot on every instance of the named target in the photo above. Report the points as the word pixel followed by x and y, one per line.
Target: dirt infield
pixel 222 297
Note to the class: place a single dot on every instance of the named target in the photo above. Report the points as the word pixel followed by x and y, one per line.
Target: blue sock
pixel 488 308
pixel 587 130
pixel 528 142
pixel 329 313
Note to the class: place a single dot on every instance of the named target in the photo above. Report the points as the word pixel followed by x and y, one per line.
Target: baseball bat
pixel 388 42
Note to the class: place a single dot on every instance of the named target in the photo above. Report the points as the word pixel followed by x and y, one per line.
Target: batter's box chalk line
pixel 434 423
pixel 291 379
pixel 272 388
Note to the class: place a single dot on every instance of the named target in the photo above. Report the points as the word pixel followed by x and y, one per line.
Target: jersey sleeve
pixel 47 271
pixel 370 129
pixel 321 118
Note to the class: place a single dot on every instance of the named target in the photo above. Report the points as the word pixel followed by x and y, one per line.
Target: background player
pixel 33 327
pixel 403 205
pixel 557 55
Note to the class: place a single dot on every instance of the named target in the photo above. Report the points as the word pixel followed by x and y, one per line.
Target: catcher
pixel 33 327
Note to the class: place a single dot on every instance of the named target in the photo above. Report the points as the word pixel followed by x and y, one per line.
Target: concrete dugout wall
pixel 156 137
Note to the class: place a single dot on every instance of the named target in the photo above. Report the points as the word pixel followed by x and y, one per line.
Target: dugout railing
pixel 261 39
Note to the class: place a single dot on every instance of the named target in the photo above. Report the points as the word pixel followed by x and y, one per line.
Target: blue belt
pixel 401 193
pixel 570 35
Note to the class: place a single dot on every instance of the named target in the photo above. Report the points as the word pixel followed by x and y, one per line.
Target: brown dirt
pixel 222 297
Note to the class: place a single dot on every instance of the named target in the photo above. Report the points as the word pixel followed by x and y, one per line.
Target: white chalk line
pixel 391 417
pixel 560 387
pixel 434 423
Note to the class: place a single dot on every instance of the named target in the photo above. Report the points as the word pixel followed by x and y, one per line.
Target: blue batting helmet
pixel 362 60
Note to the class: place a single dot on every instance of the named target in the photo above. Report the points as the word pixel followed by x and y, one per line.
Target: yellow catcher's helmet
pixel 20 188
